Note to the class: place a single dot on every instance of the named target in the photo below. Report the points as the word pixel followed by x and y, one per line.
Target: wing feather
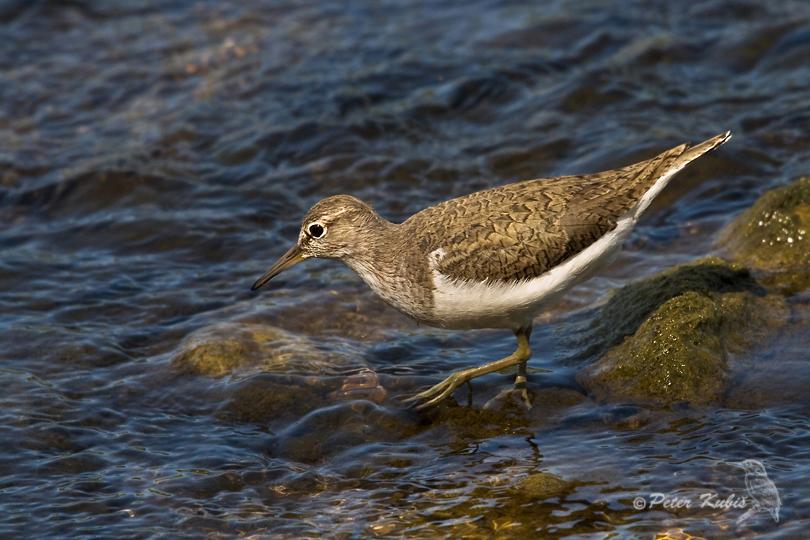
pixel 521 231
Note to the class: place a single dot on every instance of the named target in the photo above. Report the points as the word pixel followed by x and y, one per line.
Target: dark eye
pixel 316 230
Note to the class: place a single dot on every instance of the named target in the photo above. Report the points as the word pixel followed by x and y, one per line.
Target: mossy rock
pixel 634 303
pixel 679 353
pixel 771 237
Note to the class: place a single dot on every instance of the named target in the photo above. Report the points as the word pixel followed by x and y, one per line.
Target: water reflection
pixel 154 157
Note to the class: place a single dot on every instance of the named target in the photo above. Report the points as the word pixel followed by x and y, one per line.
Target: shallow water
pixel 157 157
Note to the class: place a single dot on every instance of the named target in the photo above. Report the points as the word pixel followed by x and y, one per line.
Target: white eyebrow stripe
pixel 338 212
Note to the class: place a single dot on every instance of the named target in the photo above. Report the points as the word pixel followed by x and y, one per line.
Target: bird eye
pixel 316 230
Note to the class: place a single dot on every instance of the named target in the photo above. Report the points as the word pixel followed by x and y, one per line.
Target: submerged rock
pixel 344 310
pixel 216 351
pixel 335 428
pixel 280 376
pixel 543 485
pixel 694 315
pixel 771 237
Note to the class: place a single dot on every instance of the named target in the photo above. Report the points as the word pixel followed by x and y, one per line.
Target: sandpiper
pixel 492 259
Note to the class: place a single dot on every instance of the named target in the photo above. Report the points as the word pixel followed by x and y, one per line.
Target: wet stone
pixel 771 237
pixel 463 424
pixel 272 398
pixel 219 350
pixel 279 376
pixel 680 353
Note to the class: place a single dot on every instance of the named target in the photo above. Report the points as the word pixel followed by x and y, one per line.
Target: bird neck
pixel 388 261
pixel 374 249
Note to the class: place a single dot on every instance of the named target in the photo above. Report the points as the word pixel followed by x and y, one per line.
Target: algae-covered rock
pixel 216 351
pixel 679 353
pixel 633 304
pixel 771 237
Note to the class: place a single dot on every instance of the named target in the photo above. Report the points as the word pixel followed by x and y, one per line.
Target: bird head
pixel 334 228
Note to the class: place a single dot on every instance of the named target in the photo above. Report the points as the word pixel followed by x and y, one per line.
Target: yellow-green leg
pixel 447 386
pixel 520 385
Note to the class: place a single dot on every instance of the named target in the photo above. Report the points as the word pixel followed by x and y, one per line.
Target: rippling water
pixel 156 157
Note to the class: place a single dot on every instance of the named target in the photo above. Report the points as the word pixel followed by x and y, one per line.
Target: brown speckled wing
pixel 522 230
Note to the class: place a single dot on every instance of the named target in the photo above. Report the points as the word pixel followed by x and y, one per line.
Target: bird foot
pixel 443 389
pixel 519 395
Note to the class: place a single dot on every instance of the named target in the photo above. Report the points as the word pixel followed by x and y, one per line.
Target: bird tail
pixel 693 152
pixel 665 166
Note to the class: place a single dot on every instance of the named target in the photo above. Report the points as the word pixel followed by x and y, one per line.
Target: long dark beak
pixel 295 255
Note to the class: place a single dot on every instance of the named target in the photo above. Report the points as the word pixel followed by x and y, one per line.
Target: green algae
pixel 771 237
pixel 675 355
